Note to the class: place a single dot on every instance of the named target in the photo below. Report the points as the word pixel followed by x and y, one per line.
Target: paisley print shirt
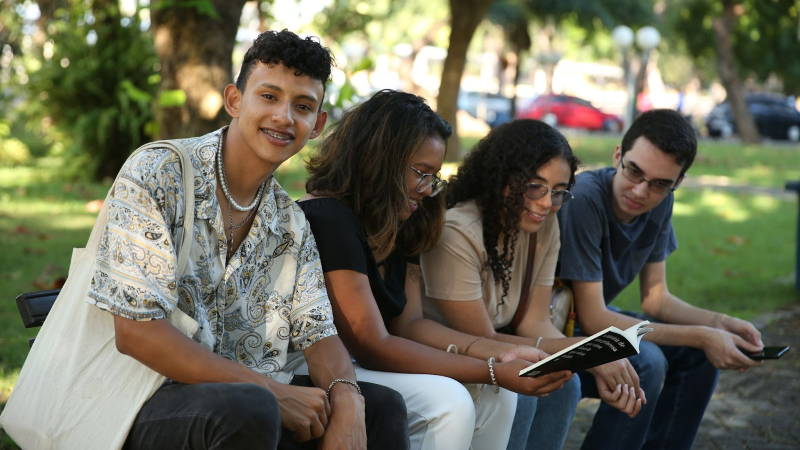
pixel 268 301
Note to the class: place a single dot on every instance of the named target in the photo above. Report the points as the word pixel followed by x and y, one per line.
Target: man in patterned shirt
pixel 252 280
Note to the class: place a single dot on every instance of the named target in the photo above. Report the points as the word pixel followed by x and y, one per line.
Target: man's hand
pixel 741 328
pixel 622 397
pixel 724 350
pixel 524 352
pixel 346 429
pixel 304 410
pixel 507 375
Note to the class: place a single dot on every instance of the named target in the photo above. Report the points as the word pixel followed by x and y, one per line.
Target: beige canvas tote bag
pixel 75 390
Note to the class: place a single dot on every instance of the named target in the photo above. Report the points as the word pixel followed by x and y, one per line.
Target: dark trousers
pixel 213 416
pixel 678 383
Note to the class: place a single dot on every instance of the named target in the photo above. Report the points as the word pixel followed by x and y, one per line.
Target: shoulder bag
pixel 75 390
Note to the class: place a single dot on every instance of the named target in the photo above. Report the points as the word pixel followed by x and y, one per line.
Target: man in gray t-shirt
pixel 618 226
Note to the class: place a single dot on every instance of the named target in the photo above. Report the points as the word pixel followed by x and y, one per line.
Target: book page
pixel 608 345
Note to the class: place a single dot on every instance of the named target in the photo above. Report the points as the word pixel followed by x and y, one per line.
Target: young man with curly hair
pixel 618 227
pixel 253 280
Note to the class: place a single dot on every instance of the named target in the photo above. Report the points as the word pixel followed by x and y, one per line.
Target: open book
pixel 608 345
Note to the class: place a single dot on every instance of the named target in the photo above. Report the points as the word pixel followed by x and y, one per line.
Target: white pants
pixel 444 414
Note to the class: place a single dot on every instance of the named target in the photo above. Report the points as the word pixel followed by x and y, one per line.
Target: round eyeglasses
pixel 535 191
pixel 429 180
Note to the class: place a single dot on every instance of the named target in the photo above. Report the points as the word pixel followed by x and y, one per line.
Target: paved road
pixel 755 410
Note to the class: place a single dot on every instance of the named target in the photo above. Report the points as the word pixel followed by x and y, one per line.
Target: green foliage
pixel 344 17
pixel 764 36
pixel 171 98
pixel 577 23
pixel 96 87
pixel 203 7
pixel 589 14
pixel 13 152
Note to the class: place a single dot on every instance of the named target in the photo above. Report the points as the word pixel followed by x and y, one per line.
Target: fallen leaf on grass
pixel 45 237
pixel 737 240
pixel 33 251
pixel 22 229
pixel 45 279
pixel 94 206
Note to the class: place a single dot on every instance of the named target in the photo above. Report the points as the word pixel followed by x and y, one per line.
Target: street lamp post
pixel 623 38
pixel 647 38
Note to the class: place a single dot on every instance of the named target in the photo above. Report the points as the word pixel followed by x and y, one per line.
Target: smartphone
pixel 769 353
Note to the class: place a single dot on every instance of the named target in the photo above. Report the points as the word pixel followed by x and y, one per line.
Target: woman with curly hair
pixel 373 208
pixel 502 205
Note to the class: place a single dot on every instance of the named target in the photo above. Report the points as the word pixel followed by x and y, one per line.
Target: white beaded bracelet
pixel 490 361
pixel 342 380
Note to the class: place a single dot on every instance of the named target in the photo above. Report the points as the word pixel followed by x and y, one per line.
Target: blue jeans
pixel 678 383
pixel 553 416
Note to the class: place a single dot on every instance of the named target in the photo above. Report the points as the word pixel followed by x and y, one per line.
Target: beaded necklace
pixel 231 203
pixel 224 183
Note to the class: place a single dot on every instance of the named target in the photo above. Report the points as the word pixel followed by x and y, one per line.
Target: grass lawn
pixel 736 250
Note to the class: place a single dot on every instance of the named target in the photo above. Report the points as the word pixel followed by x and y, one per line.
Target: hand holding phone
pixel 769 353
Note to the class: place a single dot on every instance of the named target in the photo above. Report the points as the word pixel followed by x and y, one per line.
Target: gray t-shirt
pixel 596 246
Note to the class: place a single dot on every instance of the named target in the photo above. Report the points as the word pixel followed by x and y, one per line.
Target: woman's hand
pixel 618 385
pixel 523 352
pixel 622 397
pixel 507 376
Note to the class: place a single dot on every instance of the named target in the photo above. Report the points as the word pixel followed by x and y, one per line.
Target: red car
pixel 568 111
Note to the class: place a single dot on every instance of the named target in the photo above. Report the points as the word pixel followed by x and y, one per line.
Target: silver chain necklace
pixel 224 183
pixel 234 227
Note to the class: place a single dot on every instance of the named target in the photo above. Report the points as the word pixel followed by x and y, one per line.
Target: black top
pixel 342 244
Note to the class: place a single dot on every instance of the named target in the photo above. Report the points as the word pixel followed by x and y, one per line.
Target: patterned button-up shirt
pixel 268 301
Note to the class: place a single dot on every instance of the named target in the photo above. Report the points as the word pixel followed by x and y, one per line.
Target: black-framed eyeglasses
pixel 429 180
pixel 661 187
pixel 535 191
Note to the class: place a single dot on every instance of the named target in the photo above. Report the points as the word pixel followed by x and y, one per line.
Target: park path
pixel 755 410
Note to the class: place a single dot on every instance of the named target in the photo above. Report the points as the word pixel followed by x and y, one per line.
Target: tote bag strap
pixel 188 202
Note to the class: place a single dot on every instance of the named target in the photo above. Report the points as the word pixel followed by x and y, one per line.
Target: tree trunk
pixel 195 54
pixel 722 27
pixel 465 16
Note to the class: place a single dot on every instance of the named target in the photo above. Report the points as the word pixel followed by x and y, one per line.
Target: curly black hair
pixel 306 56
pixel 669 131
pixel 508 157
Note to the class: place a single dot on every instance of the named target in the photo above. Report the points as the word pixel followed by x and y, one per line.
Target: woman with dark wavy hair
pixel 502 203
pixel 373 208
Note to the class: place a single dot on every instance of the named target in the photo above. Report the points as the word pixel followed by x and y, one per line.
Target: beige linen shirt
pixel 457 268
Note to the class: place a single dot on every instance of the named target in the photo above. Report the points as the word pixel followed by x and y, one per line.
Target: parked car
pixel 775 116
pixel 494 109
pixel 569 111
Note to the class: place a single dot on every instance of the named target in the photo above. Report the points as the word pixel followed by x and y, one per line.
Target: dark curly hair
pixel 669 131
pixel 306 56
pixel 509 156
pixel 363 161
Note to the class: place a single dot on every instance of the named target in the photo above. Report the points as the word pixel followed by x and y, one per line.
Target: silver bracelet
pixel 342 380
pixel 538 341
pixel 490 361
